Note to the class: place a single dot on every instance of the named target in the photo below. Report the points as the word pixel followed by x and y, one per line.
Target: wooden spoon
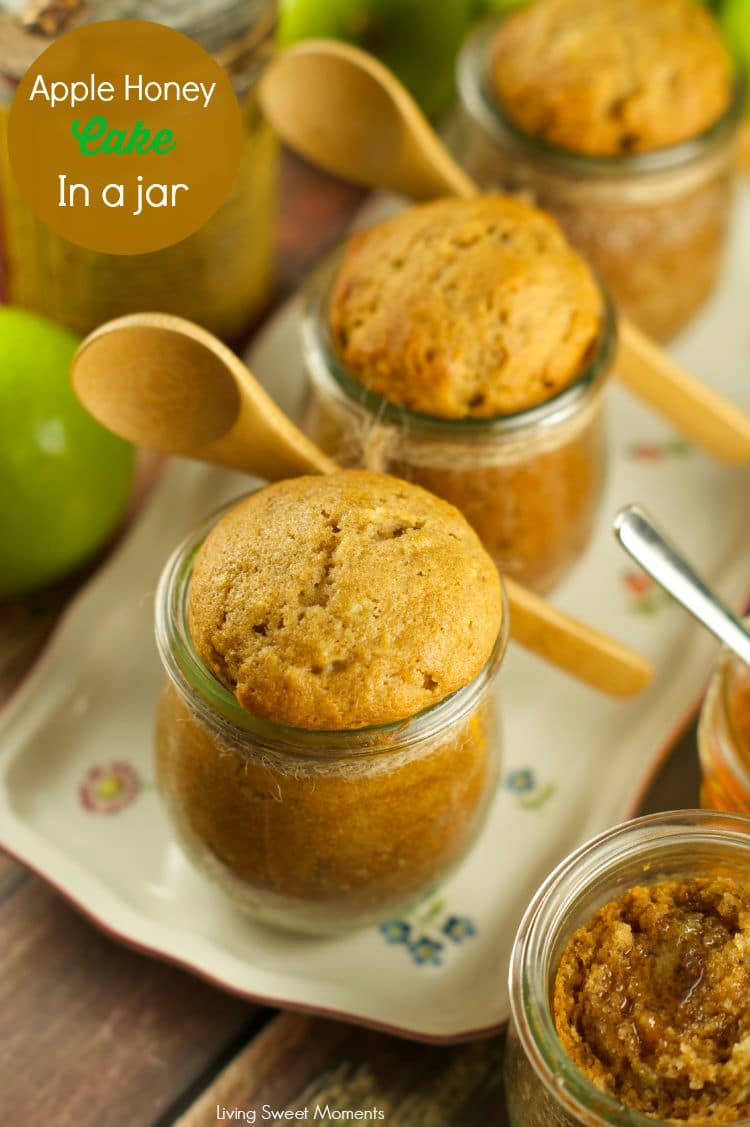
pixel 346 112
pixel 342 109
pixel 165 383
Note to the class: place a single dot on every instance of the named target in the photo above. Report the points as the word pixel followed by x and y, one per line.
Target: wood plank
pixel 25 624
pixel 11 875
pixel 299 1062
pixel 316 211
pixel 95 1035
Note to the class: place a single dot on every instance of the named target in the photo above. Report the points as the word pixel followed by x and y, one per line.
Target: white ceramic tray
pixel 77 803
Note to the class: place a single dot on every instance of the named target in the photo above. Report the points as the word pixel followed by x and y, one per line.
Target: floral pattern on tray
pixel 429 932
pixel 645 596
pixel 654 452
pixel 529 793
pixel 109 789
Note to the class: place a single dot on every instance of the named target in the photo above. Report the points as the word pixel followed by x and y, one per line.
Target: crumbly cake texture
pixel 465 308
pixel 607 77
pixel 652 1000
pixel 342 601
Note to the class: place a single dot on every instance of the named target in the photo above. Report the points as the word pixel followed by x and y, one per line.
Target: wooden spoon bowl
pixel 342 109
pixel 157 387
pixel 170 385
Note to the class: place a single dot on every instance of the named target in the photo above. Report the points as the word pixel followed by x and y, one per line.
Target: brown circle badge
pixel 125 136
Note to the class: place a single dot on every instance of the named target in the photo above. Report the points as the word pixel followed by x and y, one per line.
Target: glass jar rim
pixel 564 885
pixel 230 29
pixel 473 85
pixel 325 362
pixel 217 705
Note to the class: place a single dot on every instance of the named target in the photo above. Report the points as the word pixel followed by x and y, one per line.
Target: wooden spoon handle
pixel 426 166
pixel 702 415
pixel 264 441
pixel 569 644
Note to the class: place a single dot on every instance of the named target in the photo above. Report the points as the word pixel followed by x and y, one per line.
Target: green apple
pixel 64 479
pixel 418 39
pixel 734 18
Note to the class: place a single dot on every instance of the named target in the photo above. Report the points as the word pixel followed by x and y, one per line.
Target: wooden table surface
pixel 94 1035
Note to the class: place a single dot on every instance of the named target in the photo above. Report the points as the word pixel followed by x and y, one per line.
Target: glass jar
pixel 653 225
pixel 317 831
pixel 221 275
pixel 529 483
pixel 724 738
pixel 543 1087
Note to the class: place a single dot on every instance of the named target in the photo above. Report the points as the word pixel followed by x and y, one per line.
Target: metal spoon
pixel 167 384
pixel 346 112
pixel 642 540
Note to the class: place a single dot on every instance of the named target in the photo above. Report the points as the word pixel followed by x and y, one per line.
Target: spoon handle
pixel 649 548
pixel 701 414
pixel 569 644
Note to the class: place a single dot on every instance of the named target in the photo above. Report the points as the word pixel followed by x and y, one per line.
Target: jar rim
pixel 532 1011
pixel 324 362
pixel 229 29
pixel 473 84
pixel 217 705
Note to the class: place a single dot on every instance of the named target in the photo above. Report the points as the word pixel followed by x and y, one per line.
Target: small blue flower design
pixel 423 932
pixel 529 793
pixel 459 928
pixel 520 782
pixel 426 950
pixel 396 931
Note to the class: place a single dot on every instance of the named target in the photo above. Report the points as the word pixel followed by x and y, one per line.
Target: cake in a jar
pixel 329 753
pixel 612 77
pixel 465 308
pixel 652 1000
pixel 481 340
pixel 620 117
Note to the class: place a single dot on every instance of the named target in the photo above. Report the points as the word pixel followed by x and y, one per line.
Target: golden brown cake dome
pixel 343 601
pixel 609 77
pixel 465 308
